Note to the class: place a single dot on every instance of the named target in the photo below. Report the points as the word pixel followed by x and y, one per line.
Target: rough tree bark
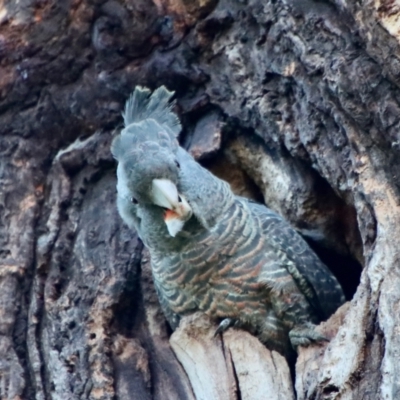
pixel 295 103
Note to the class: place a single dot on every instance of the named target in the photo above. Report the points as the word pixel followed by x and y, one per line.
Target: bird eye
pixel 177 164
pixel 179 199
pixel 133 200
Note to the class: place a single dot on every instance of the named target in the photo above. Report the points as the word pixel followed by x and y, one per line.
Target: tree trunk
pixel 294 103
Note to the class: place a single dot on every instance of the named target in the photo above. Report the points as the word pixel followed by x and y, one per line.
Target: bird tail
pixel 143 105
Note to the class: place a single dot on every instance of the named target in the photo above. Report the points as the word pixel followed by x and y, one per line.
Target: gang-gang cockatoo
pixel 212 251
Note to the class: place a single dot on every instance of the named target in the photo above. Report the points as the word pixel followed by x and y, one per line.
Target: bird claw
pixel 224 325
pixel 305 336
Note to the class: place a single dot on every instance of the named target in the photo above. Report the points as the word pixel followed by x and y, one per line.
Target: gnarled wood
pixel 296 103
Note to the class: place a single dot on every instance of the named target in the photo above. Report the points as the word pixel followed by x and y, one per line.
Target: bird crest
pixel 143 105
pixel 148 117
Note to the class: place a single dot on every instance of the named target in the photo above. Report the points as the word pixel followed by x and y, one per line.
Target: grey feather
pixel 147 131
pixel 142 105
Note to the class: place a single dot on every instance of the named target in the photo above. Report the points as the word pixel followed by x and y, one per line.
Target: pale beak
pixel 178 211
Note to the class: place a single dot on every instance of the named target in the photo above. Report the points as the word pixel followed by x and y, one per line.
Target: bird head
pixel 148 176
pixel 159 184
pixel 148 171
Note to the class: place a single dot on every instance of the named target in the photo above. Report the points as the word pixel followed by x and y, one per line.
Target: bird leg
pixel 224 325
pixel 305 335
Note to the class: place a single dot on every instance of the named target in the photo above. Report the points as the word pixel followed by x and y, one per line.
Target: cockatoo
pixel 212 251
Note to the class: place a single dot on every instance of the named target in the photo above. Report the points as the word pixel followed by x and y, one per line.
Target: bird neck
pixel 208 195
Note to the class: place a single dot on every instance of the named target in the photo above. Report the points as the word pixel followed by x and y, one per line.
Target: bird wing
pixel 315 280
